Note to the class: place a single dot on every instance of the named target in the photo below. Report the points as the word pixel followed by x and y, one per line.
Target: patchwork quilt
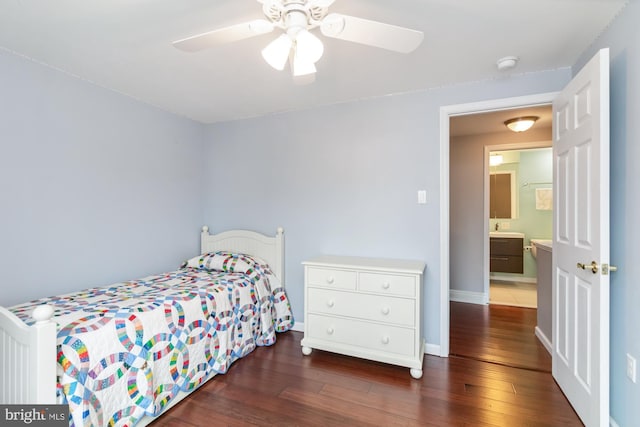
pixel 125 351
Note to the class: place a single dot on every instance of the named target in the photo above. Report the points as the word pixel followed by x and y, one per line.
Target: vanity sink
pixel 507 234
pixel 544 244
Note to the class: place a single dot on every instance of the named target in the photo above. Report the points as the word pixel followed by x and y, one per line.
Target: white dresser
pixel 365 307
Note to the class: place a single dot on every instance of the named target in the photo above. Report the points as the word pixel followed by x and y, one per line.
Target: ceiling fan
pixel 297 45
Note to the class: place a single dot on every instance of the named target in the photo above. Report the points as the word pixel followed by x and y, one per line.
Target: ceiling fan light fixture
pixel 309 48
pixel 300 67
pixel 277 52
pixel 521 124
pixel 298 46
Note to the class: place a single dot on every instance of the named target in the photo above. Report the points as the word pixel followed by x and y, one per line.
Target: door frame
pixel 446 112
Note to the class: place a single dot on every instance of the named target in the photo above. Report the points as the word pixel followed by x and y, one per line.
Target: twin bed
pixel 123 354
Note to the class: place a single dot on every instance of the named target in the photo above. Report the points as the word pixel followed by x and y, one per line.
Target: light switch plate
pixel 631 367
pixel 422 197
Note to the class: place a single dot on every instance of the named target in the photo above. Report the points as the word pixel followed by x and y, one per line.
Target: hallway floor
pixel 497 334
pixel 515 294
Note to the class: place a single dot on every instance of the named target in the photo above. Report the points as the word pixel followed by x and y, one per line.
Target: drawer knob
pixel 330 331
pixel 330 279
pixel 386 285
pixel 385 340
pixel 385 310
pixel 330 303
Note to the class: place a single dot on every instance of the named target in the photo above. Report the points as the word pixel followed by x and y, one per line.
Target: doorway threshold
pixel 515 294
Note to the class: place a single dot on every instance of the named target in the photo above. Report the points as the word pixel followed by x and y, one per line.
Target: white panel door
pixel 581 241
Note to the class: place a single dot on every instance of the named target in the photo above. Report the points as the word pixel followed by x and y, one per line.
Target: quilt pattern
pixel 125 351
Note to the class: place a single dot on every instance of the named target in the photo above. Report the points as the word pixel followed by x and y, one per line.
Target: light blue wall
pixel 536 169
pixel 535 166
pixel 343 179
pixel 623 39
pixel 95 187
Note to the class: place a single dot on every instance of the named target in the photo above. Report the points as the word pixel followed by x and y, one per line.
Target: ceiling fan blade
pixel 224 35
pixel 372 33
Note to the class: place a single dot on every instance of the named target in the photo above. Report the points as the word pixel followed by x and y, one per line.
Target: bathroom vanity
pixel 505 252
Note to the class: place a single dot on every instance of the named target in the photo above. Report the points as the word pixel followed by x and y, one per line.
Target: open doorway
pixel 446 113
pixel 473 140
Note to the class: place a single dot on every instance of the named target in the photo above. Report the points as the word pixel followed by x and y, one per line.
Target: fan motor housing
pixel 278 10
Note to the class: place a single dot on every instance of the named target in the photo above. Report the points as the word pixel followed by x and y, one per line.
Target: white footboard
pixel 28 358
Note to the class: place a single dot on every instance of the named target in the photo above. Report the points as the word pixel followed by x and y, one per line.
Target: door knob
pixel 593 266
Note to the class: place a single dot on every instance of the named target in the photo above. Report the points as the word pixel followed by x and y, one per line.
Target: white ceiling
pixel 493 122
pixel 125 45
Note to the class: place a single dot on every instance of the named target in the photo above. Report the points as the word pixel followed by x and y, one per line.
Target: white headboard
pixel 270 249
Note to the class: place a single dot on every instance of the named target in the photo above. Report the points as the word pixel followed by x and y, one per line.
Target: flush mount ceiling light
pixel 521 124
pixel 507 63
pixel 297 44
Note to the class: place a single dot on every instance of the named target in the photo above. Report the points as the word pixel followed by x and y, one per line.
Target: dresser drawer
pixel 388 284
pixel 330 278
pixel 388 339
pixel 506 246
pixel 378 308
pixel 506 264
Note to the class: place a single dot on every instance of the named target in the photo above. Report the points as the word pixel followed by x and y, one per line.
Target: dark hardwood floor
pixel 498 334
pixel 278 386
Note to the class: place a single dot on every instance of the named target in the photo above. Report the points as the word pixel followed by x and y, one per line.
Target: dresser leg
pixel 416 373
pixel 307 351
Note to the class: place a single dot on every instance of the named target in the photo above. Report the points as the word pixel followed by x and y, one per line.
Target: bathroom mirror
pixel 503 195
pixel 503 189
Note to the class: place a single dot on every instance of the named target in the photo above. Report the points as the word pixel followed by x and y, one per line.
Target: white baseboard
pixel 544 340
pixel 495 278
pixel 298 326
pixel 432 349
pixel 613 422
pixel 468 297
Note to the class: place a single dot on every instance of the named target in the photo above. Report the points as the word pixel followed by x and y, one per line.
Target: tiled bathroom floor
pixel 513 293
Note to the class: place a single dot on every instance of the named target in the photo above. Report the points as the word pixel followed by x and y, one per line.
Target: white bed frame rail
pixel 28 353
pixel 28 366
